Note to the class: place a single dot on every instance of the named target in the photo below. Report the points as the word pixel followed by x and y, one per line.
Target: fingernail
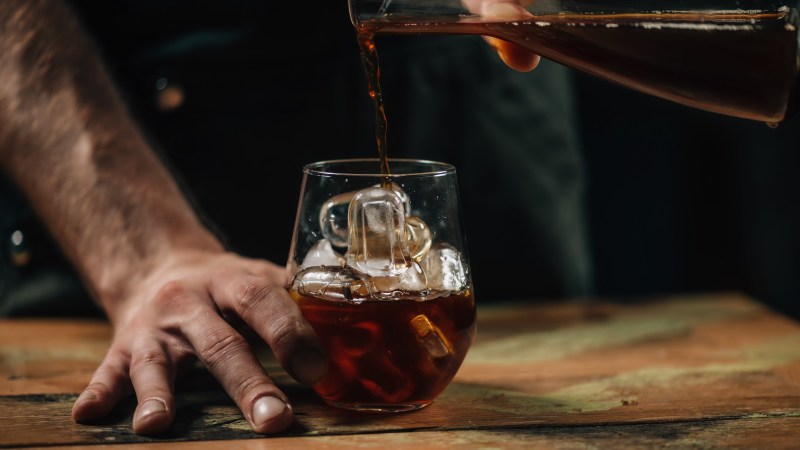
pixel 308 366
pixel 266 409
pixel 502 55
pixel 151 406
pixel 491 41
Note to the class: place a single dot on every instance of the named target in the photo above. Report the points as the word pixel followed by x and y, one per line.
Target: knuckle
pixel 147 359
pixel 251 294
pixel 250 385
pixel 282 329
pixel 219 345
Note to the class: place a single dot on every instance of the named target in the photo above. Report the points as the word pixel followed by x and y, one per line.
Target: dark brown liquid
pixel 390 352
pixel 740 64
pixel 369 57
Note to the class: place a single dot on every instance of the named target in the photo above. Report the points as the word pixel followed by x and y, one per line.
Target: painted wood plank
pixel 677 360
pixel 773 433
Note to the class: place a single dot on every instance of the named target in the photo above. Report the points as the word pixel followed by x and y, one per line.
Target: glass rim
pixel 438 168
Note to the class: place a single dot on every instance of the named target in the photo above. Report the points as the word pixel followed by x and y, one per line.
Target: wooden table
pixel 693 371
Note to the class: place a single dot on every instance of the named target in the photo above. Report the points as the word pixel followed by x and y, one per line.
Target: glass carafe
pixel 735 57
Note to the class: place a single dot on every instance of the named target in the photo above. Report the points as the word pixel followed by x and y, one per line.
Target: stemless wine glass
pixel 378 266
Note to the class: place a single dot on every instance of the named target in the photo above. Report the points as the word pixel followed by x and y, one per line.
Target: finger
pixel 274 273
pixel 514 56
pixel 152 374
pixel 229 358
pixel 108 386
pixel 271 312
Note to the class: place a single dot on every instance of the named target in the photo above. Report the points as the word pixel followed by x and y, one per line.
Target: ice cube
pixel 406 284
pixel 333 219
pixel 333 215
pixel 403 196
pixel 330 283
pixel 430 337
pixel 359 339
pixel 322 254
pixel 378 245
pixel 419 237
pixel 384 379
pixel 340 372
pixel 445 269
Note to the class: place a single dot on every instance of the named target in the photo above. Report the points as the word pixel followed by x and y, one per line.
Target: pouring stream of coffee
pixel 369 57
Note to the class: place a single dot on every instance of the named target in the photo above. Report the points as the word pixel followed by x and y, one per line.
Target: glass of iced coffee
pixel 378 266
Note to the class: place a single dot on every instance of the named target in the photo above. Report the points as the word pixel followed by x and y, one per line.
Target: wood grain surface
pixel 715 370
pixel 739 433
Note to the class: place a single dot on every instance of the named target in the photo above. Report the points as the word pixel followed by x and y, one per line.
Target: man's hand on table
pixel 170 290
pixel 185 312
pixel 166 283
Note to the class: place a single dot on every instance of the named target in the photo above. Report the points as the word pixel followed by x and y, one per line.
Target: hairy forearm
pixel 68 143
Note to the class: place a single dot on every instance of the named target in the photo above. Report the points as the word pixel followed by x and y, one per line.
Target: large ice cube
pixel 403 196
pixel 384 379
pixel 330 283
pixel 333 219
pixel 378 245
pixel 322 254
pixel 406 284
pixel 419 237
pixel 445 269
pixel 333 215
pixel 359 339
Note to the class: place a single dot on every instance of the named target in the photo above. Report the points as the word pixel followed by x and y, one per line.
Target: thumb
pixel 514 56
pixel 498 10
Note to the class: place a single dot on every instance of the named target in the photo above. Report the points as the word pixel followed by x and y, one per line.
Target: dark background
pixel 683 200
pixel 677 200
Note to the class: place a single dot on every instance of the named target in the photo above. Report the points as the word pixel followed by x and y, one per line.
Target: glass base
pixel 379 407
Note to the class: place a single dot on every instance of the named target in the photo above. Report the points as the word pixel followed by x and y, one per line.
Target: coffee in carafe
pixel 738 62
